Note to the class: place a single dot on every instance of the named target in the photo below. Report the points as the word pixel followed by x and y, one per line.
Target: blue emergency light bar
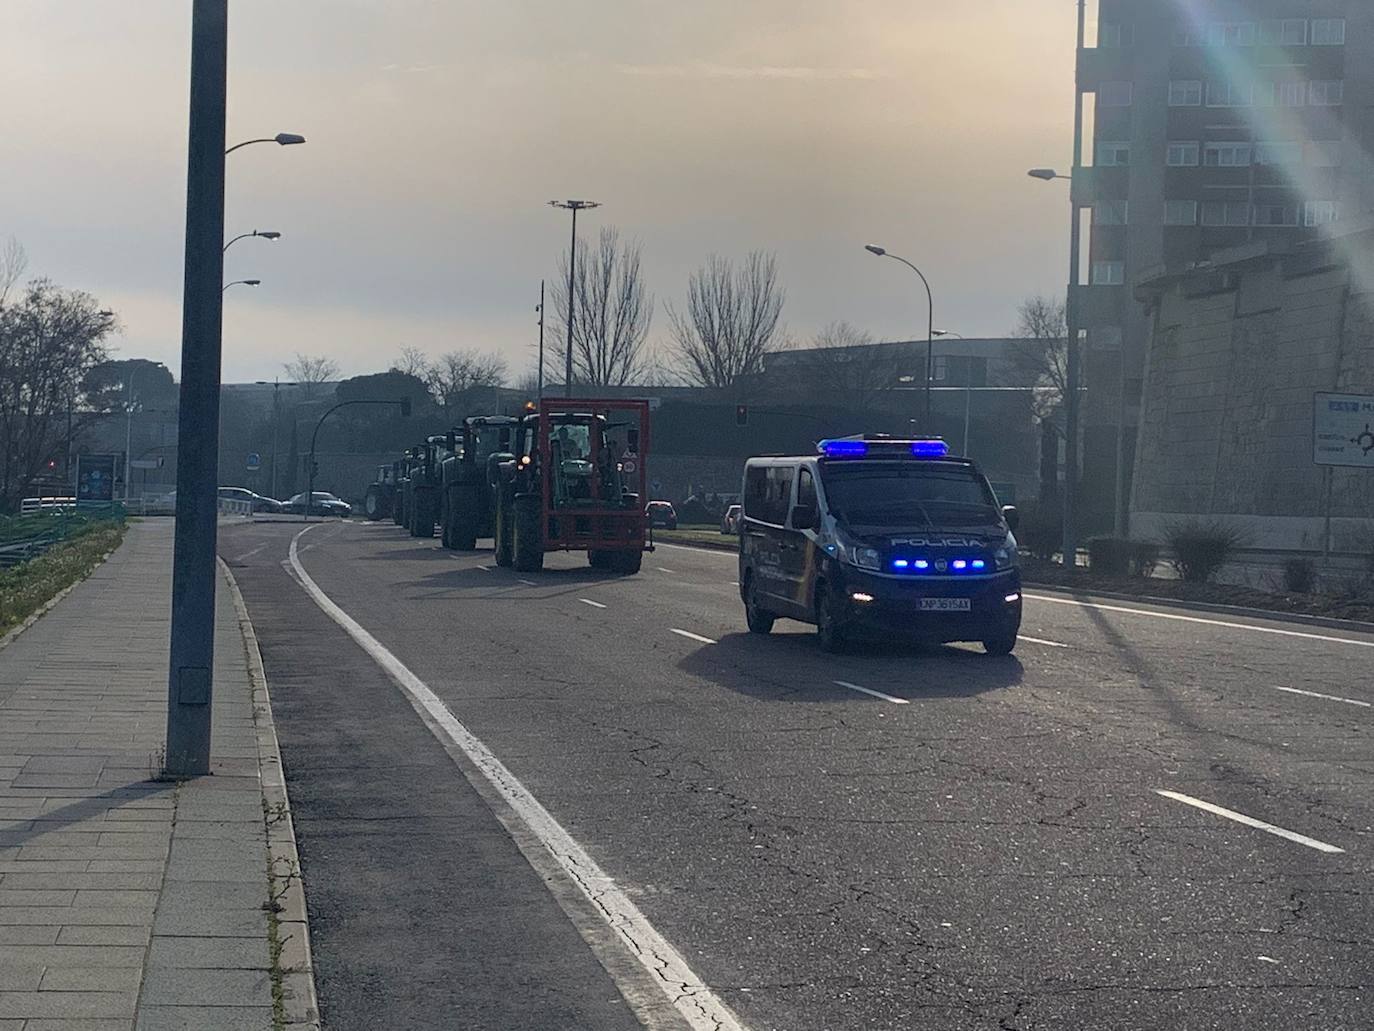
pixel 860 447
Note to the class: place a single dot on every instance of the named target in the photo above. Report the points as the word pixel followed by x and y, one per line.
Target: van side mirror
pixel 804 517
pixel 1011 517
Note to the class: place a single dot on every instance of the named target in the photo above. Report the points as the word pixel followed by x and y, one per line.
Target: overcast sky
pixel 416 214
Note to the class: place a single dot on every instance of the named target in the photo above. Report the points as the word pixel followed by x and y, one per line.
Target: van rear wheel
pixel 760 621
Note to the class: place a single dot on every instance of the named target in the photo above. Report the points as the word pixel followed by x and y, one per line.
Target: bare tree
pixel 13 262
pixel 614 312
pixel 412 362
pixel 50 339
pixel 459 371
pixel 311 372
pixel 1040 354
pixel 844 365
pixel 730 320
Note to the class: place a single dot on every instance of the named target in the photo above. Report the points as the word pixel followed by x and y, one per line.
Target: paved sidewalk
pixel 128 902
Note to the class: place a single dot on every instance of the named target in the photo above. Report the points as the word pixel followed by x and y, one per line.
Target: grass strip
pixel 29 586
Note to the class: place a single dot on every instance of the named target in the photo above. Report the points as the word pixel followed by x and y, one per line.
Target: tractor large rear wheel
pixel 626 563
pixel 375 503
pixel 529 542
pixel 464 511
pixel 422 523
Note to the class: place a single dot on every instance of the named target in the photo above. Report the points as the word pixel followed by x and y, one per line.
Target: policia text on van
pixel 876 534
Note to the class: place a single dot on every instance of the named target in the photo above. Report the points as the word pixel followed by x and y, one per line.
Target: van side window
pixel 778 495
pixel 755 493
pixel 806 488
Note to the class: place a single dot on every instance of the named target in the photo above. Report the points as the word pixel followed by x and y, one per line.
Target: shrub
pixel 1041 530
pixel 1299 576
pixel 1110 556
pixel 1201 547
pixel 1144 558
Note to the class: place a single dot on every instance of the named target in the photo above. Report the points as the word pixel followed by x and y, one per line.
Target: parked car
pixel 259 502
pixel 662 515
pixel 322 503
pixel 729 522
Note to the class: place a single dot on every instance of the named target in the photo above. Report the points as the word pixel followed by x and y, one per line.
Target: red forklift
pixel 576 483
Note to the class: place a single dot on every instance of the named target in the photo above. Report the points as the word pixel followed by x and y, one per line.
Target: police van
pixel 873 535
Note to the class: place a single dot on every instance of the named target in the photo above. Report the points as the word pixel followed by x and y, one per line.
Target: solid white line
pixel 593 604
pixel 1037 640
pixel 1250 821
pixel 698 1005
pixel 1199 619
pixel 1327 697
pixel 875 694
pixel 690 636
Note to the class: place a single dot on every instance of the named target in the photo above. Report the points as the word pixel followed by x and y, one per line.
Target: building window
pixel 1180 212
pixel 1115 94
pixel 1276 214
pixel 1319 213
pixel 939 370
pixel 1263 95
pixel 1185 93
pixel 1285 32
pixel 1113 153
pixel 1325 94
pixel 1324 153
pixel 1225 213
pixel 1292 94
pixel 1182 154
pixel 1110 212
pixel 1226 155
pixel 1229 94
pixel 1109 273
pixel 1231 34
pixel 1114 37
pixel 1328 32
pixel 1188 36
pixel 1271 153
pixel 1105 338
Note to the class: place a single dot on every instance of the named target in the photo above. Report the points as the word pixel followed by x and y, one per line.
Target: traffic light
pixel 741 415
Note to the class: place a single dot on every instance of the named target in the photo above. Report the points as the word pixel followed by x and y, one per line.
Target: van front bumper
pixel 906 606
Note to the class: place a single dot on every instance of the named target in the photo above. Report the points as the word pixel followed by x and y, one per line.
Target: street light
pixel 574 206
pixel 1046 174
pixel 930 322
pixel 276 420
pixel 241 282
pixel 266 234
pixel 286 139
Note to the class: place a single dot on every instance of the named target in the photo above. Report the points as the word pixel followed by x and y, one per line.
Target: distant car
pixel 259 502
pixel 322 503
pixel 729 522
pixel 662 514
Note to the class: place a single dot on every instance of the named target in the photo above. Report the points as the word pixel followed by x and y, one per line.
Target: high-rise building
pixel 1211 124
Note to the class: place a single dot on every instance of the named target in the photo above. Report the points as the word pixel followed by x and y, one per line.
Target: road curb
pixel 1301 618
pixel 293 963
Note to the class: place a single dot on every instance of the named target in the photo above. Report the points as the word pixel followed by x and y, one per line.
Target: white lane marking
pixel 690 636
pixel 875 694
pixel 1199 619
pixel 485 569
pixel 698 1005
pixel 1250 821
pixel 529 583
pixel 593 604
pixel 662 569
pixel 1038 640
pixel 1327 697
pixel 250 554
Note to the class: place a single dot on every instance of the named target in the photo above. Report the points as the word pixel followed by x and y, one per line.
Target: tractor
pixel 468 504
pixel 423 487
pixel 401 473
pixel 380 501
pixel 576 484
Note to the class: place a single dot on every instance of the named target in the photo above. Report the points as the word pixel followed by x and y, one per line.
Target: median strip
pixel 1250 821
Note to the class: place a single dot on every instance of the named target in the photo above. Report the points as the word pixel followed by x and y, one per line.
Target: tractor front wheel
pixel 464 513
pixel 529 542
pixel 626 563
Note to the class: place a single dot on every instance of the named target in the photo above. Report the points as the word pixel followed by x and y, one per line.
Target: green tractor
pixel 468 506
pixel 380 501
pixel 421 489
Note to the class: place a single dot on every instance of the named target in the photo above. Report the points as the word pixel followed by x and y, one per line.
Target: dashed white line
pixel 485 569
pixel 593 604
pixel 1327 697
pixel 1250 821
pixel 700 1007
pixel 691 636
pixel 529 583
pixel 1198 619
pixel 876 694
pixel 663 569
pixel 1039 640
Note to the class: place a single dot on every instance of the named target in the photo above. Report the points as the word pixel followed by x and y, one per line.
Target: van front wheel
pixel 760 622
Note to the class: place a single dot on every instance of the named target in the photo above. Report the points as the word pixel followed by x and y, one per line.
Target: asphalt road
pixel 966 842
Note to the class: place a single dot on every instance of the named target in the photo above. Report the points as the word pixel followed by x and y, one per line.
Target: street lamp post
pixel 574 206
pixel 541 340
pixel 240 282
pixel 128 430
pixel 266 234
pixel 968 391
pixel 930 325
pixel 276 422
pixel 286 139
pixel 404 404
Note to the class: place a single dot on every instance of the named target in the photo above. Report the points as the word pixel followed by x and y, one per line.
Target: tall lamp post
pixel 285 139
pixel 265 234
pixel 574 206
pixel 276 421
pixel 968 390
pixel 930 325
pixel 240 282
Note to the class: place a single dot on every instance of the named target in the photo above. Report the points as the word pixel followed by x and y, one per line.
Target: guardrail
pixel 33 506
pixel 233 506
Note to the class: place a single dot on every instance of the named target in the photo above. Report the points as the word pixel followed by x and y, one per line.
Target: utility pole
pixel 193 562
pixel 1071 355
pixel 574 206
pixel 541 340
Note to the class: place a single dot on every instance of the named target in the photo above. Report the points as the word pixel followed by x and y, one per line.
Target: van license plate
pixel 944 605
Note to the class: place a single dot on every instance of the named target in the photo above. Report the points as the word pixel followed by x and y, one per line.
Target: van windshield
pixel 908 495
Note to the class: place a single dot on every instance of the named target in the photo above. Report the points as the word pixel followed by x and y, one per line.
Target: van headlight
pixel 1005 557
pixel 856 554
